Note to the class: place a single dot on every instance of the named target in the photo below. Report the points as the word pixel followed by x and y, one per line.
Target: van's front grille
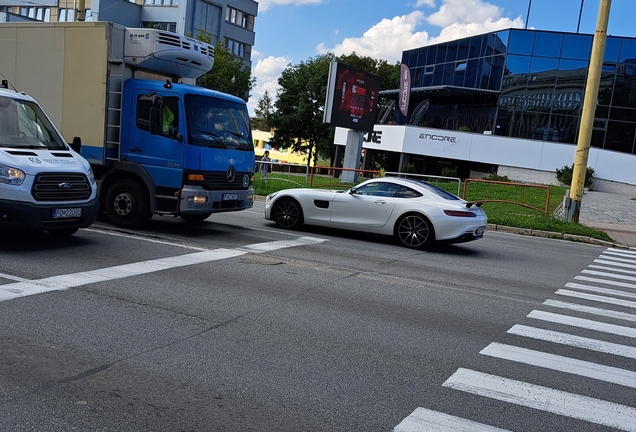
pixel 61 187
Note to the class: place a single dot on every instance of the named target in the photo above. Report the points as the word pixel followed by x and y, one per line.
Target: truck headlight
pixel 12 176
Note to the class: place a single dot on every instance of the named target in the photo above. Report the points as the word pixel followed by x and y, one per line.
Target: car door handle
pixel 135 150
pixel 380 202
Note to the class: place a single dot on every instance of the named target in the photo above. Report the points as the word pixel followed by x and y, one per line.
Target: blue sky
pixel 291 31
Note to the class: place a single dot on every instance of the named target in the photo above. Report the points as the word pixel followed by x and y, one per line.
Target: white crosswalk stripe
pixel 63 282
pixel 610 282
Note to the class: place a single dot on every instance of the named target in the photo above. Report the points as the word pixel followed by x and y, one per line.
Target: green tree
pixel 229 74
pixel 297 118
pixel 298 114
pixel 264 108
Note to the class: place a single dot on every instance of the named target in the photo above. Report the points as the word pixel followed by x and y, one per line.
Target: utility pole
pixel 587 116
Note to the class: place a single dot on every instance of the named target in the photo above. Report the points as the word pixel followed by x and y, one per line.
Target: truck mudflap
pixel 19 217
pixel 196 200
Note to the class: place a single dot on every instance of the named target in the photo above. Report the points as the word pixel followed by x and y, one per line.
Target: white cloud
pixel 385 40
pixel 267 71
pixel 264 5
pixel 456 18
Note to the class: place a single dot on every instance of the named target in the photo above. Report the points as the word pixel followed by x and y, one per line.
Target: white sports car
pixel 415 212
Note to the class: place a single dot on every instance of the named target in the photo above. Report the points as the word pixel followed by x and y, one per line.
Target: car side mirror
pixel 76 145
pixel 353 191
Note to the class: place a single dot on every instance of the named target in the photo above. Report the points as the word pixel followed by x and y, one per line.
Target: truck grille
pixel 61 187
pixel 218 181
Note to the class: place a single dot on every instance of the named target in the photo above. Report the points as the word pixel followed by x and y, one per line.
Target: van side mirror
pixel 76 145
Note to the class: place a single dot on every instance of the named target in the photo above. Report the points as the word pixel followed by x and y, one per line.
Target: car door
pixel 369 206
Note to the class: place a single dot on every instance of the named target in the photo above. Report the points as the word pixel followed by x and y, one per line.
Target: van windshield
pixel 214 122
pixel 23 124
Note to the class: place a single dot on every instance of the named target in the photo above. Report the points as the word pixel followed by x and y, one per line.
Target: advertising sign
pixel 352 98
pixel 405 89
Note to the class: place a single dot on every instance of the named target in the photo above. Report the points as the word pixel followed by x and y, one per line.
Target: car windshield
pixel 436 190
pixel 214 122
pixel 23 124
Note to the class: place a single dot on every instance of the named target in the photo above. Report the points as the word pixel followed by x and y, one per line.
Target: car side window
pixel 378 189
pixel 169 115
pixel 405 192
pixel 370 189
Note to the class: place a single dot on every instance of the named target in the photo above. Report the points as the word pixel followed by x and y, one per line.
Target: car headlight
pixel 12 176
pixel 91 175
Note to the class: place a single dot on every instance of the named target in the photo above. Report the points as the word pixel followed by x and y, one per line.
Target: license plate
pixel 229 197
pixel 67 213
pixel 480 230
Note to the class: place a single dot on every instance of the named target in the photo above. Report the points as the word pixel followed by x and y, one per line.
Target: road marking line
pixel 620 252
pixel 142 238
pixel 424 420
pixel 63 282
pixel 606 282
pixel 591 310
pixel 544 399
pixel 615 264
pixel 13 278
pixel 600 290
pixel 600 299
pixel 616 259
pixel 583 323
pixel 610 275
pixel 559 363
pixel 612 269
pixel 575 341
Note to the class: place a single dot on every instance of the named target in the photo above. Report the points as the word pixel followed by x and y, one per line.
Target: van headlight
pixel 91 175
pixel 11 176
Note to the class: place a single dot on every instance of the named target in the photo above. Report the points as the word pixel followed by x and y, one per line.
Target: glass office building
pixel 525 84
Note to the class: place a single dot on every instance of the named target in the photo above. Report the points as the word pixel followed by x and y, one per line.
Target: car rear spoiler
pixel 474 203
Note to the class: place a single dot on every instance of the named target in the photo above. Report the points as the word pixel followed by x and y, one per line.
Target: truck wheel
pixel 63 232
pixel 195 218
pixel 127 204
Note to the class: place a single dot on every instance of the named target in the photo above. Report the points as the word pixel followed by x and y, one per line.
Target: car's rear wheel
pixel 414 231
pixel 288 214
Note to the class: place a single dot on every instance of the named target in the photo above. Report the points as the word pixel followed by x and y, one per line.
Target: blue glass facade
pixel 526 84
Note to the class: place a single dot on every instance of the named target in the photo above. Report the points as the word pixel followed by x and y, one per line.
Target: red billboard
pixel 352 97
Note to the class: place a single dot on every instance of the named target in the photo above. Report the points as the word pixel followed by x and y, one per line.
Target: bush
pixel 449 172
pixel 497 177
pixel 564 175
pixel 408 168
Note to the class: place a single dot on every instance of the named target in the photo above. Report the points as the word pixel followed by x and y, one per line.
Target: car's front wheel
pixel 288 214
pixel 414 231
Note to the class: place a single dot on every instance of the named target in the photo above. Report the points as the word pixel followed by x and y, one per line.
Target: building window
pixel 239 18
pixel 167 26
pixel 166 3
pixel 239 49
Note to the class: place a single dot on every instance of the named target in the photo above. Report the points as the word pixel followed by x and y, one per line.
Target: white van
pixel 44 184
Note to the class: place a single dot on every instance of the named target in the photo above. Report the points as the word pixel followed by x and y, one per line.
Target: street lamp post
pixel 587 115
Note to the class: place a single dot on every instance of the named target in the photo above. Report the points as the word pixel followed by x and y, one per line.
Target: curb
pixel 555 235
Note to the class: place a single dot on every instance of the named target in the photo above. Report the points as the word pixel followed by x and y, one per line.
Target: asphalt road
pixel 235 325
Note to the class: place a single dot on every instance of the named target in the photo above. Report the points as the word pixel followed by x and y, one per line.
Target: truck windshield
pixel 214 122
pixel 24 125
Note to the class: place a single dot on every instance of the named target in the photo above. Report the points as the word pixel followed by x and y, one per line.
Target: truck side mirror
pixel 76 145
pixel 155 123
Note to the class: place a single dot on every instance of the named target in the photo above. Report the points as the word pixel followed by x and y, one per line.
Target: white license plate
pixel 229 197
pixel 67 213
pixel 480 230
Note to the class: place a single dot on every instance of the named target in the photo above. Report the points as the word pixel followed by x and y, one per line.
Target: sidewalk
pixel 612 213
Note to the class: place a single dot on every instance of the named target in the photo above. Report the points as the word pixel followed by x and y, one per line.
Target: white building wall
pixel 530 161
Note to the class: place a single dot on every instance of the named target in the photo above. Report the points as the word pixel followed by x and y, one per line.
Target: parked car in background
pixel 416 213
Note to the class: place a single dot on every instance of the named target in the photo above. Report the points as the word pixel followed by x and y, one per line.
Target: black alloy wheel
pixel 288 214
pixel 414 231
